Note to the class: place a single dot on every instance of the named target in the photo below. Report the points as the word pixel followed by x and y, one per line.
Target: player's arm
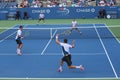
pixel 19 34
pixel 57 41
pixel 76 24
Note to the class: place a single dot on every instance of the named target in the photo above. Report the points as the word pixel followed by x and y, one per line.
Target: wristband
pixel 56 37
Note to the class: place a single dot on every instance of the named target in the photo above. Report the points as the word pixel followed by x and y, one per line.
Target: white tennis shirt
pixel 66 47
pixel 74 23
pixel 19 32
pixel 41 16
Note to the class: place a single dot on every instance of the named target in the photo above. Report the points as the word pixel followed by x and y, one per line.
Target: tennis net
pixel 89 32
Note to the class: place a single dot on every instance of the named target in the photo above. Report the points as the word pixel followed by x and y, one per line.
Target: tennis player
pixel 74 26
pixel 41 17
pixel 18 40
pixel 66 54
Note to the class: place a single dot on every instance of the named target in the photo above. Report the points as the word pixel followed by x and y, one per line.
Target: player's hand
pixel 57 36
pixel 22 37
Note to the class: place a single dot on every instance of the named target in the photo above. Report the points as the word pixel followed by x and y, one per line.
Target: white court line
pixel 77 54
pixel 106 52
pixel 10 34
pixel 48 43
pixel 112 33
pixel 27 78
pixel 7 37
pixel 7 28
pixel 52 54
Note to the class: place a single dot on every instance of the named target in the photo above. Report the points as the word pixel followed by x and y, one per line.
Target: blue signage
pixel 61 12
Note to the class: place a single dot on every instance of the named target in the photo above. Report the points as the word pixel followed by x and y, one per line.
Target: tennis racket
pixel 67 32
pixel 26 33
pixel 73 41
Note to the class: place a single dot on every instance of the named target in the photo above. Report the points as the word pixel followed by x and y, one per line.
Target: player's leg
pixel 43 19
pixel 19 42
pixel 39 19
pixel 78 30
pixel 20 46
pixel 16 17
pixel 61 64
pixel 69 63
pixel 71 30
pixel 74 67
pixel 19 49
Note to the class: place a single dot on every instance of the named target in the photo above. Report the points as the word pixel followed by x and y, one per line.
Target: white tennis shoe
pixel 81 68
pixel 60 70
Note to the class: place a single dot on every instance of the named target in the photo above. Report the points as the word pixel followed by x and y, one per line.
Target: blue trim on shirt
pixel 65 52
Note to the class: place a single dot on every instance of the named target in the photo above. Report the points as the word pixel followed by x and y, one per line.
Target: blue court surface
pixel 96 49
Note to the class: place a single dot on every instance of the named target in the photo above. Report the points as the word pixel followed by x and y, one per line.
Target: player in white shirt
pixel 74 26
pixel 41 17
pixel 66 54
pixel 18 40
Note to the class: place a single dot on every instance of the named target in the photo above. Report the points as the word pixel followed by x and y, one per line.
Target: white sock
pixel 60 67
pixel 77 66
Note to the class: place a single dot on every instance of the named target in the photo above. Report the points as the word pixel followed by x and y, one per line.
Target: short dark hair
pixel 65 40
pixel 21 27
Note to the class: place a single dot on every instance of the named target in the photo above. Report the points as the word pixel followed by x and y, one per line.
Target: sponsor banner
pixel 61 12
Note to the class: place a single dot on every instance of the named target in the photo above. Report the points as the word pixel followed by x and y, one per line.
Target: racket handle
pixel 73 41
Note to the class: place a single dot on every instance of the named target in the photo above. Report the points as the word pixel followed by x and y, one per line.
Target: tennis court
pixel 97 49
